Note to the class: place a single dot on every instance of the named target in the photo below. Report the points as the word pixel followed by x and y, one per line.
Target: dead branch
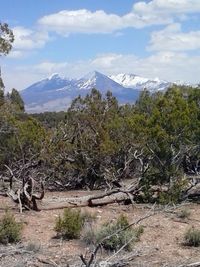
pixel 195 264
pixel 24 195
pixel 123 261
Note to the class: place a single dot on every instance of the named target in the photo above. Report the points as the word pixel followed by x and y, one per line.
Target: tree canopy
pixel 6 40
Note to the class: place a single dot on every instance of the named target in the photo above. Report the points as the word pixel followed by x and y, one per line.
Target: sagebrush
pixel 192 237
pixel 10 230
pixel 113 236
pixel 70 224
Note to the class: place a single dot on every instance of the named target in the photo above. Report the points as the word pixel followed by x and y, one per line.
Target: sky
pixel 156 38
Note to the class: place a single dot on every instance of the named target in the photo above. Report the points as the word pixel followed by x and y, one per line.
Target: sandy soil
pixel 161 244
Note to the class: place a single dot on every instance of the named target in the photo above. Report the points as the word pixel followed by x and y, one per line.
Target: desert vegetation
pixel 142 153
pixel 99 144
pixel 10 230
pixel 134 154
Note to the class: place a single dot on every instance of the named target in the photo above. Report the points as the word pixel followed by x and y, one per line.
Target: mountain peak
pixel 99 81
pixel 93 74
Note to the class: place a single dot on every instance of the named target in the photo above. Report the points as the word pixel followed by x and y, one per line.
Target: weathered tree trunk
pixel 112 196
pixel 24 196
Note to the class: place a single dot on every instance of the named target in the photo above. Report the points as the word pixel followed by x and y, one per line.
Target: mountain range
pixel 56 93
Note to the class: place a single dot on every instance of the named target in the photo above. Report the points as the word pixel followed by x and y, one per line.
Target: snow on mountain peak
pixel 54 76
pixel 93 75
pixel 128 80
pixel 157 80
pixel 135 81
pixel 95 79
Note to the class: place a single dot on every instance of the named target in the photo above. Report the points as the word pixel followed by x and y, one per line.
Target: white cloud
pixel 15 54
pixel 143 13
pixel 48 67
pixel 85 21
pixel 26 39
pixel 82 21
pixel 17 78
pixel 172 39
pixel 155 12
pixel 105 61
pixel 167 7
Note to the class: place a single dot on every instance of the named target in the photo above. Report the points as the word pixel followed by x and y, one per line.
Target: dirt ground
pixel 161 244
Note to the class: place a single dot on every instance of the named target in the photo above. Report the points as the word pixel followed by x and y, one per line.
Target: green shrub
pixel 115 241
pixel 69 225
pixel 192 237
pixel 173 196
pixel 120 239
pixel 10 230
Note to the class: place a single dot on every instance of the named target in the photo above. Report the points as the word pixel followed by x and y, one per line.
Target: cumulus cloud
pixel 155 12
pixel 27 39
pixel 85 21
pixel 173 39
pixel 167 7
pixel 82 21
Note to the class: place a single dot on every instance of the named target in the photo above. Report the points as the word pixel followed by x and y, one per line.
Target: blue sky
pixel 156 38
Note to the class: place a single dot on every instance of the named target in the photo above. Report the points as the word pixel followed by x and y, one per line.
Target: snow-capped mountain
pixel 100 81
pixel 51 83
pixel 56 93
pixel 135 81
pixel 49 94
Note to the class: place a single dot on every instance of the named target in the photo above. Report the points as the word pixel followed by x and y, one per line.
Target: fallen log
pixel 113 196
pixel 117 195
